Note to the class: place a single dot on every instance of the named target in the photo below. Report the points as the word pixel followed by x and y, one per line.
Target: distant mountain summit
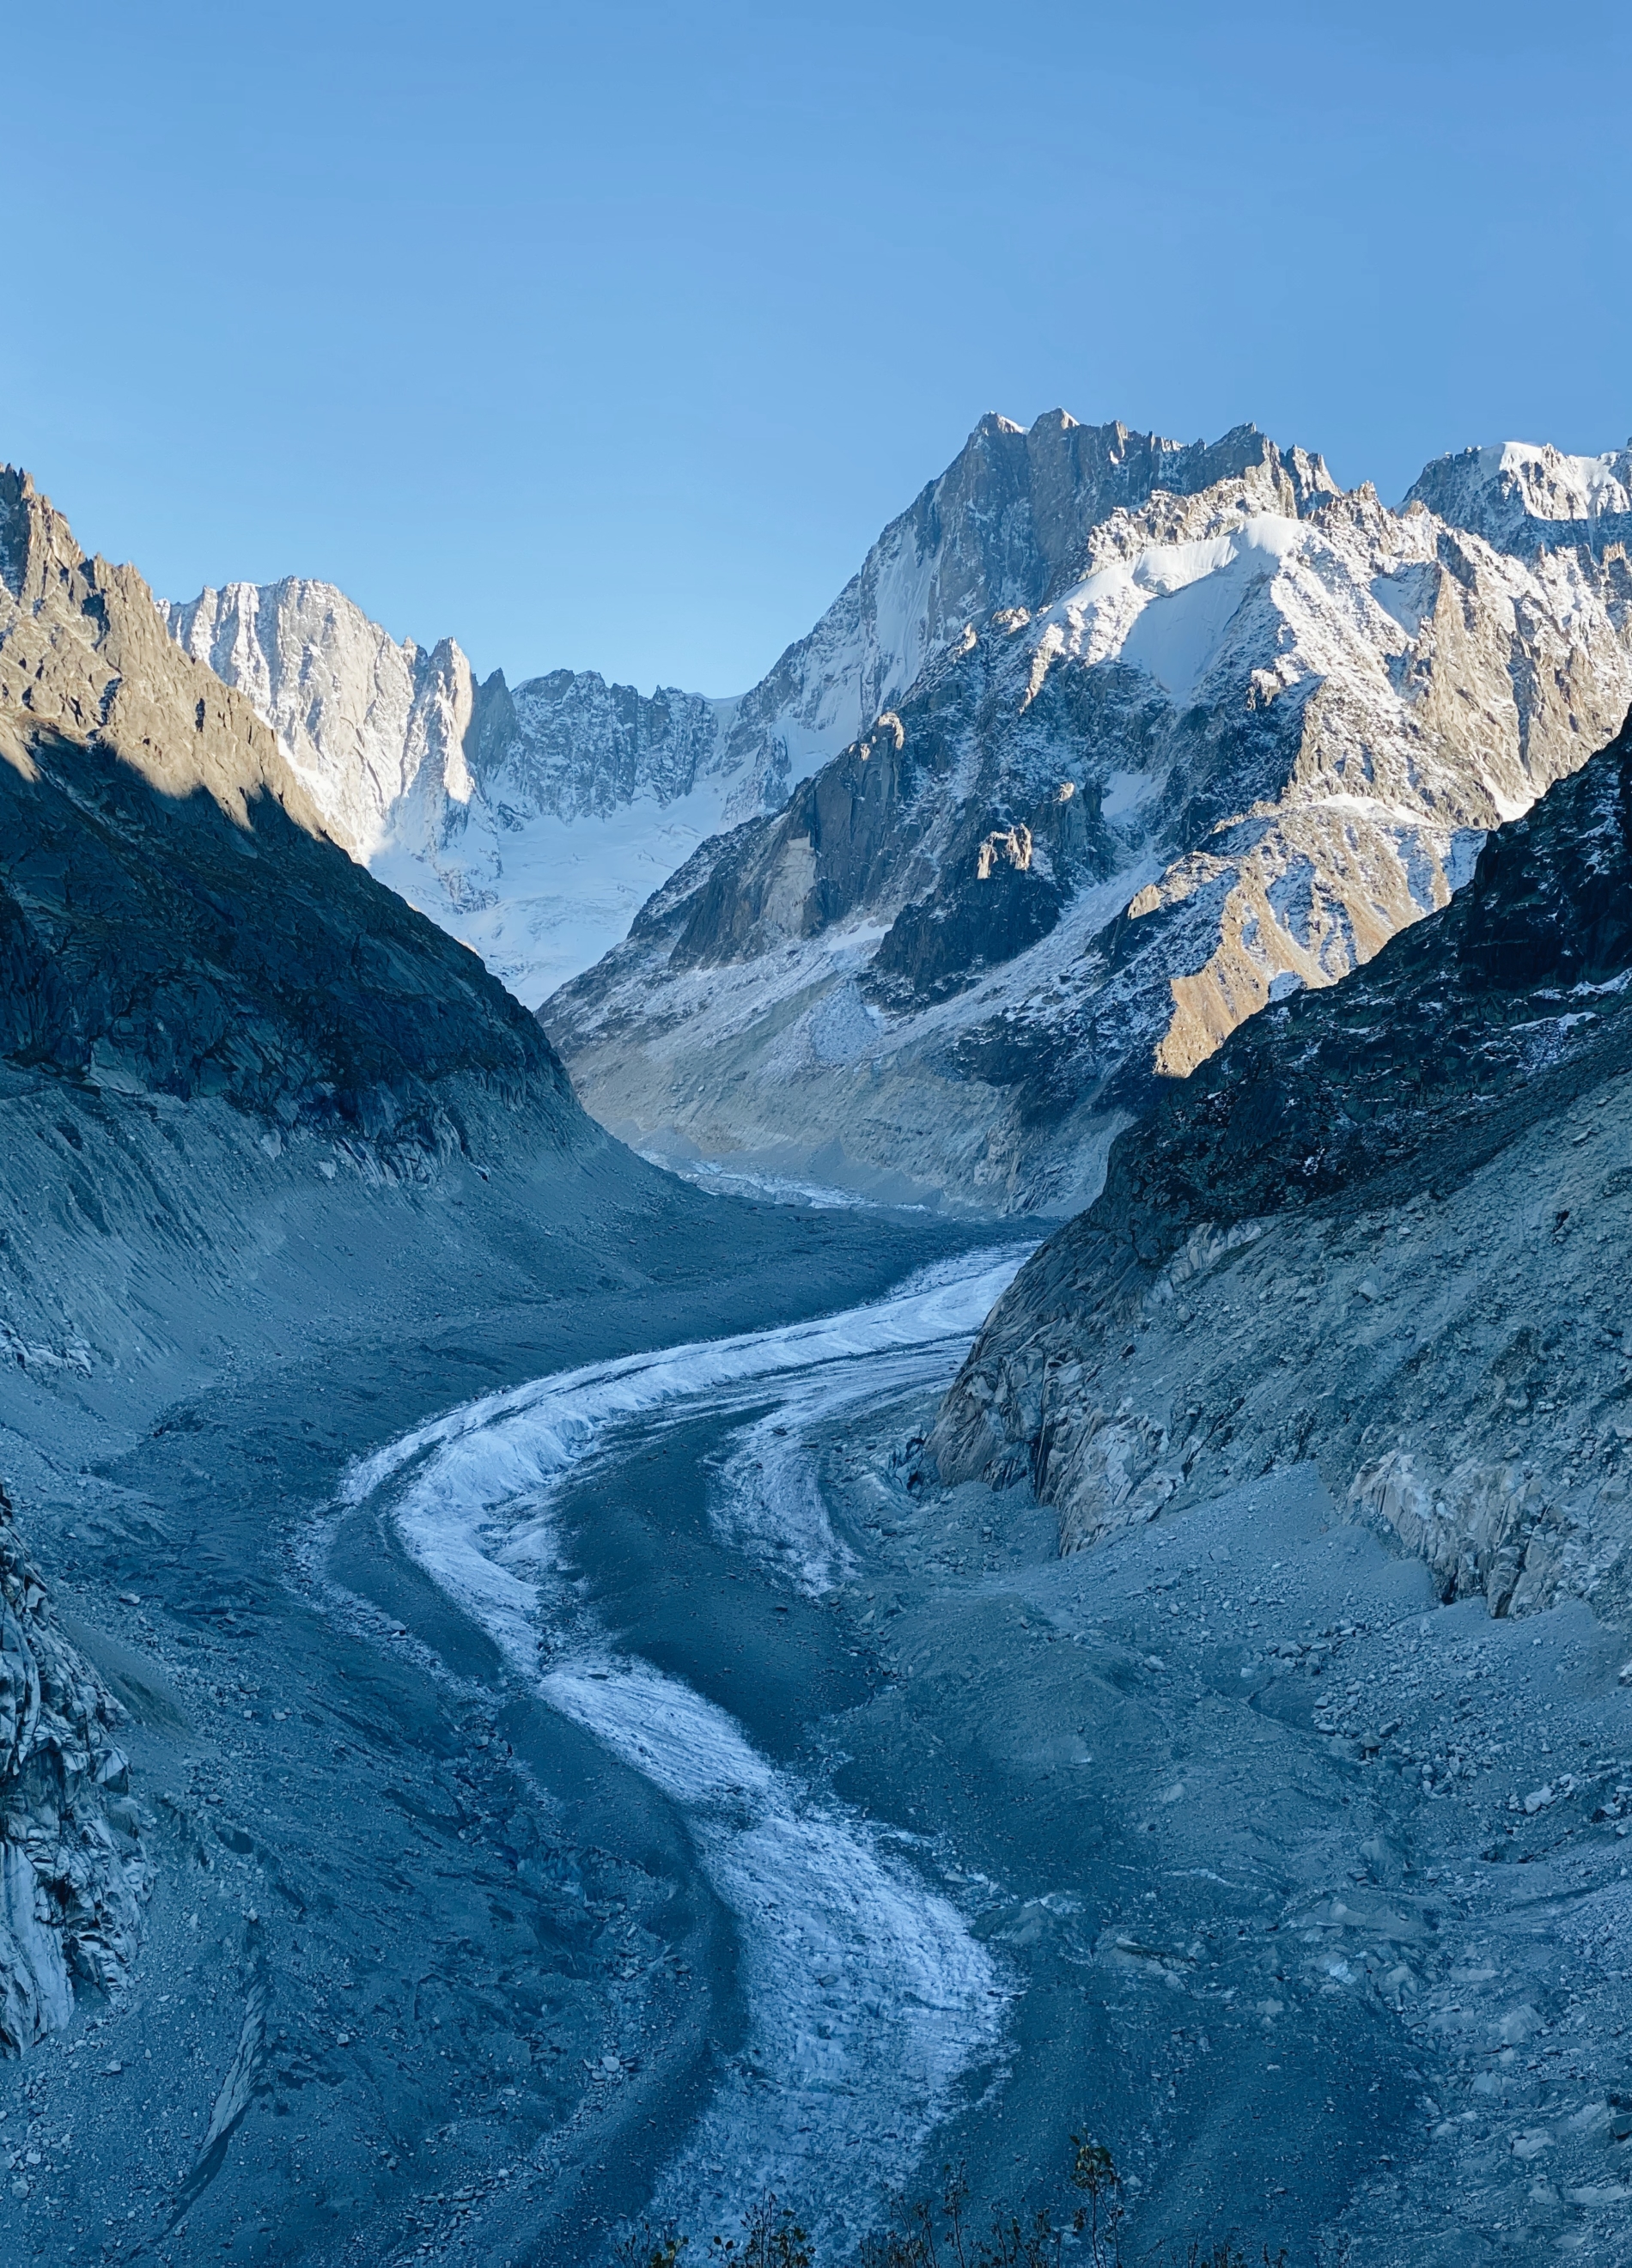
pixel 1109 741
pixel 1520 496
pixel 480 805
pixel 1006 524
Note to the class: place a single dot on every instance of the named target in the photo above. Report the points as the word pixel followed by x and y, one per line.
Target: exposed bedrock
pixel 173 920
pixel 1386 1228
pixel 72 1876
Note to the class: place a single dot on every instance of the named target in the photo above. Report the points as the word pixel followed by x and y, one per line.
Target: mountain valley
pixel 1110 740
pixel 543 1696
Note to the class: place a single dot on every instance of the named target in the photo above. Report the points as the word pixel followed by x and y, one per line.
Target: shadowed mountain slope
pixel 249 1102
pixel 173 919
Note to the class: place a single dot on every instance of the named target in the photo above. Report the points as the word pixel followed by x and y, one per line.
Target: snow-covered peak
pixel 357 713
pixel 476 802
pixel 1167 609
pixel 534 820
pixel 1519 493
pixel 1254 738
pixel 1014 519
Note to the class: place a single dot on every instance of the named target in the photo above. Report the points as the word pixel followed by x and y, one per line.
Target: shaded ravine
pixel 868 1999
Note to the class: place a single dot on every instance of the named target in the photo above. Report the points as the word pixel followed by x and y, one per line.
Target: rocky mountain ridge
pixel 1265 727
pixel 1379 1230
pixel 534 822
pixel 226 1051
pixel 528 822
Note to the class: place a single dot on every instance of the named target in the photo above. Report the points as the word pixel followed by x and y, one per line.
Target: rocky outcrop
pixel 1007 526
pixel 175 921
pixel 83 657
pixel 1264 729
pixel 1385 1227
pixel 72 1876
pixel 366 725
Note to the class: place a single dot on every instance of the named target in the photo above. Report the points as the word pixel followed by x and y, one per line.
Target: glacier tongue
pixel 817 1890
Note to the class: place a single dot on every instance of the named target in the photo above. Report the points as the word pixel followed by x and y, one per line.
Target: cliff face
pixel 1265 729
pixel 1385 1228
pixel 530 821
pixel 83 657
pixel 358 717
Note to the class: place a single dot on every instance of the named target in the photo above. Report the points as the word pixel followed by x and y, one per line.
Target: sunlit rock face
pixel 174 918
pixel 534 821
pixel 1111 741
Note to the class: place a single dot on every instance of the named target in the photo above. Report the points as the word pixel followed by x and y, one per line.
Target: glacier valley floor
pixel 590 1772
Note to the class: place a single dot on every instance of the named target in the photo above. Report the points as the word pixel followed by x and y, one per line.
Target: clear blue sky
pixel 610 335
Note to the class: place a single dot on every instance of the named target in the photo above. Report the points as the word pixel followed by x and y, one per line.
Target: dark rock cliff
pixel 1419 1065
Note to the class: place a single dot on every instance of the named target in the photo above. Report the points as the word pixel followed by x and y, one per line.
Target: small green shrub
pixel 770 2238
pixel 935 2232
